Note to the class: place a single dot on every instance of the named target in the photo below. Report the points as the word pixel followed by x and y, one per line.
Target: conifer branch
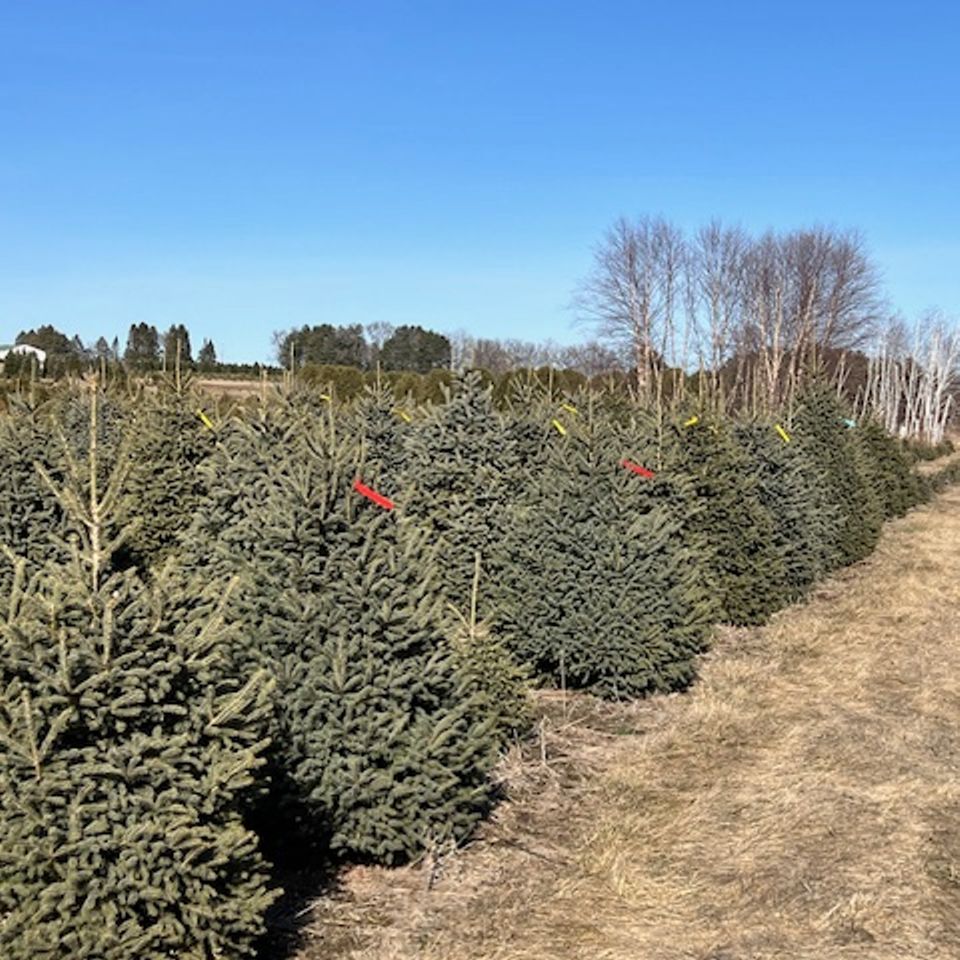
pixel 238 701
pixel 31 732
pixel 107 631
pixel 215 621
pixel 16 589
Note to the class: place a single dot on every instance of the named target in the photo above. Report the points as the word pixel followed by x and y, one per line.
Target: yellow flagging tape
pixel 206 420
pixel 692 422
pixel 326 396
pixel 569 407
pixel 561 429
pixel 403 415
pixel 784 436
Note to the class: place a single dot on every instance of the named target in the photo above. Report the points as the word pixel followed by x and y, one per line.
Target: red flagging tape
pixel 378 498
pixel 636 468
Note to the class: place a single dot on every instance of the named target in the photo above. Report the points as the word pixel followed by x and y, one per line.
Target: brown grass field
pixel 802 801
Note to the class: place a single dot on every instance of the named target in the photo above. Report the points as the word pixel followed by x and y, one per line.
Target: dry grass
pixel 803 801
pixel 926 467
pixel 234 389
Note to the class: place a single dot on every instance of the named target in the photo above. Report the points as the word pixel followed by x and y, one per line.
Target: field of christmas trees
pixel 298 628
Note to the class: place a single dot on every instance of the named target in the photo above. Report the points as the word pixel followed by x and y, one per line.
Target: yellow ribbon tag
pixel 561 429
pixel 569 407
pixel 692 422
pixel 206 420
pixel 784 436
pixel 403 415
pixel 326 397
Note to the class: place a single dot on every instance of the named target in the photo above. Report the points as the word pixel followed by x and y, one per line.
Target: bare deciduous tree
pixel 912 381
pixel 758 312
pixel 630 296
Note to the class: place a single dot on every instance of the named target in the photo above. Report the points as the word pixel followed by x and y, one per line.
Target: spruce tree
pixel 171 436
pixel 125 752
pixel 384 741
pixel 744 567
pixel 847 496
pixel 381 746
pixel 601 593
pixel 31 518
pixel 788 490
pixel 380 424
pixel 465 468
pixel 891 475
pixel 459 488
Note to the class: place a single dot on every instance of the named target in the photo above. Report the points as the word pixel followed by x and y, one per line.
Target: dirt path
pixel 803 801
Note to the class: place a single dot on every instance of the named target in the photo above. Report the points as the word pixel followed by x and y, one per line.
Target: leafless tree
pixel 491 355
pixel 592 359
pixel 913 379
pixel 462 346
pixel 631 295
pixel 716 289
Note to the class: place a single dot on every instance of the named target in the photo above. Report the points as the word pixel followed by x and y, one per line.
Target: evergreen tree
pixel 743 565
pixel 207 357
pixel 125 754
pixel 602 592
pixel 176 343
pixel 892 478
pixel 31 518
pixel 49 339
pixel 381 426
pixel 845 490
pixel 382 746
pixel 482 660
pixel 169 442
pixel 788 490
pixel 385 741
pixel 322 344
pixel 413 348
pixel 459 488
pixel 143 347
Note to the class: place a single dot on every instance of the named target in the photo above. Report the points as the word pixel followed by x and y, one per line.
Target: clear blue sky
pixel 242 167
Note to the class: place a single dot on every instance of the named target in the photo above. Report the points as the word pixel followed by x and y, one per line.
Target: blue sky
pixel 243 167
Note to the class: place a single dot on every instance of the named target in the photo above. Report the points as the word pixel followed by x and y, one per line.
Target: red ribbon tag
pixel 378 498
pixel 636 468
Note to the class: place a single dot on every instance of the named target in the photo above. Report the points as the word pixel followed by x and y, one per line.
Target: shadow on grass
pixel 288 920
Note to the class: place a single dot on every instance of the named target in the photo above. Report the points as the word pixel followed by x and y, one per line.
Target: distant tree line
pixel 405 348
pixel 413 349
pixel 146 350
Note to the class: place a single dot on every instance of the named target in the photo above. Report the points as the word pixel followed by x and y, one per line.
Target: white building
pixel 41 355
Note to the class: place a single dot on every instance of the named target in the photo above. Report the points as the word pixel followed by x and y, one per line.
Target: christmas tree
pixel 125 754
pixel 381 426
pixel 847 495
pixel 788 490
pixel 31 518
pixel 460 490
pixel 466 467
pixel 895 484
pixel 171 436
pixel 381 746
pixel 601 593
pixel 743 565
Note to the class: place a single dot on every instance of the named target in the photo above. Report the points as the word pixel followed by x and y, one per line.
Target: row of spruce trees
pixel 227 637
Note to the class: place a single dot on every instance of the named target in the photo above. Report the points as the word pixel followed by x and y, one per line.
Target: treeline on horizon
pixel 417 364
pixel 378 346
pixel 741 320
pixel 341 361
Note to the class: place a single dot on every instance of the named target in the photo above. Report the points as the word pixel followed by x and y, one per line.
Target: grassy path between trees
pixel 802 801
